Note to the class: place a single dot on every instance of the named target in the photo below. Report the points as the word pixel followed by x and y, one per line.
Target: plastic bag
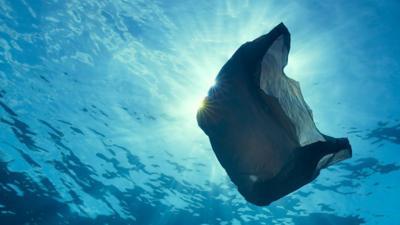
pixel 259 126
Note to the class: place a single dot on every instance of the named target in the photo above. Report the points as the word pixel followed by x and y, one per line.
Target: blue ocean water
pixel 98 102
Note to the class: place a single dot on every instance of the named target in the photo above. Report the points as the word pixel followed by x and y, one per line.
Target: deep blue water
pixel 98 103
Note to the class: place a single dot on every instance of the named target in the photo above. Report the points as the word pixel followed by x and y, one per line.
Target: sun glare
pixel 202 104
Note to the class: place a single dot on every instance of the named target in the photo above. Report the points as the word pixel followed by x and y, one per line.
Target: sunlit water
pixel 98 103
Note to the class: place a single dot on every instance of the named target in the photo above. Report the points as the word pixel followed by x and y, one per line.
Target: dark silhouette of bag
pixel 260 128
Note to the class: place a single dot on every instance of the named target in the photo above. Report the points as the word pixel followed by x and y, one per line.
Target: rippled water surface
pixel 98 103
